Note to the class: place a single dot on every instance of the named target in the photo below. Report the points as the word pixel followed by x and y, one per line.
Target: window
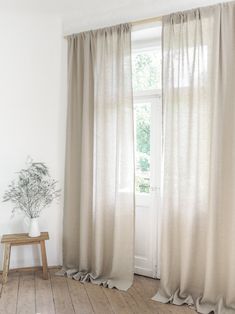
pixel 146 67
pixel 142 145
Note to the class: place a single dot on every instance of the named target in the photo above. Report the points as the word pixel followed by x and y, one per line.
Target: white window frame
pixel 151 199
pixel 148 95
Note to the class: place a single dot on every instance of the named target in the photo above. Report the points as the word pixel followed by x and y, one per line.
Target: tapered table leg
pixel 6 262
pixel 44 259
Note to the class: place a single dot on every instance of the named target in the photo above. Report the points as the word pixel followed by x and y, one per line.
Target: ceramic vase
pixel 34 230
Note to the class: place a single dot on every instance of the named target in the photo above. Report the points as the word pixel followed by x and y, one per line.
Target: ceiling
pixel 79 15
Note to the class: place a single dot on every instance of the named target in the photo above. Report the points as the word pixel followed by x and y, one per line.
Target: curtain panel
pixel 198 197
pixel 98 238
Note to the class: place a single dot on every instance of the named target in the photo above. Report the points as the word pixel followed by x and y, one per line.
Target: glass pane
pixel 146 67
pixel 142 143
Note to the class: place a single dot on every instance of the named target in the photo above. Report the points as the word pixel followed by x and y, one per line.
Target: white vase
pixel 34 230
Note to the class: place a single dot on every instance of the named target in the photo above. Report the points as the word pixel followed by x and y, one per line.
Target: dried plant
pixel 32 191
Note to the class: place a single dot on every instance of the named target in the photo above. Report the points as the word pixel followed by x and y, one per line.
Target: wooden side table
pixel 10 240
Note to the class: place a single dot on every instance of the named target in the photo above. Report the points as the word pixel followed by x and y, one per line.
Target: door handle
pixel 154 188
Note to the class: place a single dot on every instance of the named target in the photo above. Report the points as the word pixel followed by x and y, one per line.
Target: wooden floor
pixel 28 293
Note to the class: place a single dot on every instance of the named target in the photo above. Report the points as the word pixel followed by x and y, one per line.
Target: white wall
pixel 32 118
pixel 79 16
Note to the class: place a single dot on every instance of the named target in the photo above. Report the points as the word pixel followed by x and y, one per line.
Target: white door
pixel 146 65
pixel 148 169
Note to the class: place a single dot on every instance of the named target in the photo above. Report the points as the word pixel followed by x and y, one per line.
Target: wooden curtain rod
pixel 140 22
pixel 147 21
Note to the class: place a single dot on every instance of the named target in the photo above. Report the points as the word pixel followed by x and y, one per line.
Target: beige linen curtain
pixel 99 178
pixel 198 205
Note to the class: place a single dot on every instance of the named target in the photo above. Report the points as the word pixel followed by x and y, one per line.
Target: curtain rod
pixel 146 21
pixel 138 22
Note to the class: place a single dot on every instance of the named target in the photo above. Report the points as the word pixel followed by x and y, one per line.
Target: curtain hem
pixel 196 304
pixel 83 277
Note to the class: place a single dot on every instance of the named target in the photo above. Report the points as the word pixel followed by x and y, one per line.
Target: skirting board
pixel 33 268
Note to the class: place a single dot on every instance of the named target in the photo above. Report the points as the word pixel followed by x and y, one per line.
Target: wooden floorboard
pixel 99 301
pixel 8 300
pixel 44 296
pixel 117 302
pixel 62 299
pixel 28 293
pixel 79 296
pixel 143 307
pixel 131 303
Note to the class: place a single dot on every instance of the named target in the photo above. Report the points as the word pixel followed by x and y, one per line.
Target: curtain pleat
pixel 98 236
pixel 198 202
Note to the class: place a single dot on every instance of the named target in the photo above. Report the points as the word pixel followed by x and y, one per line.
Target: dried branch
pixel 32 191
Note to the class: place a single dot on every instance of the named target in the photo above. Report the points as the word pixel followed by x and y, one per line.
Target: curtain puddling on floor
pixel 198 205
pixel 99 179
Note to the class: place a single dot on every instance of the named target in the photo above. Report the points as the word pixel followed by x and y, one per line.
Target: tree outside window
pixel 146 76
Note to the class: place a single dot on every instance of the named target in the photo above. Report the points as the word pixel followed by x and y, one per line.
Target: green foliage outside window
pixel 142 113
pixel 146 67
pixel 142 185
pixel 146 70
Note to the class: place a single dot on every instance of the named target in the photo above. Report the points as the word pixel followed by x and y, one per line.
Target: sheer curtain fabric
pixel 198 197
pixel 99 179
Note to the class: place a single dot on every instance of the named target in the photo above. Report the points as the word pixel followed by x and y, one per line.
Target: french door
pixel 147 88
pixel 148 128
